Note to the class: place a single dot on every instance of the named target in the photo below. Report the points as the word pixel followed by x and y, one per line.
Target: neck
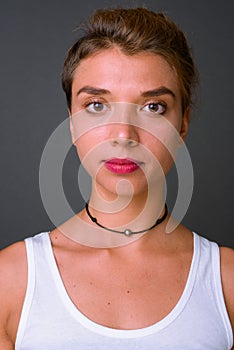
pixel 136 212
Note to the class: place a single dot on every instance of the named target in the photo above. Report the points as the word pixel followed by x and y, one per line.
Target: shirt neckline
pixel 120 333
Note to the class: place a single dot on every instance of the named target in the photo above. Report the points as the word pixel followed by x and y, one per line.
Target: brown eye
pixel 156 108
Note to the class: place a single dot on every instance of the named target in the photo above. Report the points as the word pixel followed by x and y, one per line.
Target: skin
pixel 126 79
pixel 138 272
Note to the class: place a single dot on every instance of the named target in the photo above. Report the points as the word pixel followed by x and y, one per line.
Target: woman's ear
pixel 185 123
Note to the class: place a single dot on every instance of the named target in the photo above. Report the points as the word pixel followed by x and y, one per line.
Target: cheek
pixel 163 149
pixel 92 150
pixel 84 148
pixel 81 147
pixel 88 142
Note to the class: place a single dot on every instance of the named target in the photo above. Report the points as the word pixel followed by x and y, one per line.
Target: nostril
pixel 124 142
pixel 124 134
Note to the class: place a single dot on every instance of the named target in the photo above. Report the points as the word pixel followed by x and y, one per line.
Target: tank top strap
pixel 34 248
pixel 209 272
pixel 215 257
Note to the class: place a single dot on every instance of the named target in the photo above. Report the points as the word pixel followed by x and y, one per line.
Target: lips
pixel 121 166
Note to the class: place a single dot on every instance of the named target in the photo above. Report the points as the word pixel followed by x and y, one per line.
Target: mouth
pixel 122 165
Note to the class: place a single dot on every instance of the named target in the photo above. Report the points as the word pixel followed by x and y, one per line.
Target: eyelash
pixel 163 105
pixel 90 102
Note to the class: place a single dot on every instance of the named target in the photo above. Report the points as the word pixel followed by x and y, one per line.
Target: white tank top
pixel 50 321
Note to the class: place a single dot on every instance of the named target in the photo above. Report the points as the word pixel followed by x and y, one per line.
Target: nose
pixel 123 131
pixel 125 135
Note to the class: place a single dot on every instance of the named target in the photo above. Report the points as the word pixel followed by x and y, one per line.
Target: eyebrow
pixel 93 91
pixel 162 90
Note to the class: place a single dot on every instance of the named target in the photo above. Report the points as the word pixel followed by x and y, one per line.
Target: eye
pixel 96 107
pixel 156 108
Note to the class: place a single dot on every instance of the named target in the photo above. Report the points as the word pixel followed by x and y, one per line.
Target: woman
pixel 112 276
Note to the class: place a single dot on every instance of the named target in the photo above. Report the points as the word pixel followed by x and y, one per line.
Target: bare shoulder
pixel 227 274
pixel 13 262
pixel 13 282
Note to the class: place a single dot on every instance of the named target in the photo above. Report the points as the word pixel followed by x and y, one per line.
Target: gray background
pixel 35 36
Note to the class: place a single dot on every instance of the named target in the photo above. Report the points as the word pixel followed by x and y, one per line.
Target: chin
pixel 113 188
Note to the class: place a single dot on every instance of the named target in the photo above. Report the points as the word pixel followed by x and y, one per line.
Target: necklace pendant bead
pixel 127 232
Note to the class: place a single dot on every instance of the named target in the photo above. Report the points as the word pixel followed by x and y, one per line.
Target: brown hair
pixel 133 30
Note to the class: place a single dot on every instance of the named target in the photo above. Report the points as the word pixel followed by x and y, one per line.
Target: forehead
pixel 114 70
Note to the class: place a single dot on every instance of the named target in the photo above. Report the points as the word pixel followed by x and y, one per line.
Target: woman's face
pixel 126 115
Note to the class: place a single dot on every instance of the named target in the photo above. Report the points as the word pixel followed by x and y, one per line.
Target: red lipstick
pixel 121 166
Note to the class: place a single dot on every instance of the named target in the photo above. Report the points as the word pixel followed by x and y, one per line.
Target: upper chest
pixel 125 293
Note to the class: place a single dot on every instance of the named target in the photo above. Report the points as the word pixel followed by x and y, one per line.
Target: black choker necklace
pixel 126 232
